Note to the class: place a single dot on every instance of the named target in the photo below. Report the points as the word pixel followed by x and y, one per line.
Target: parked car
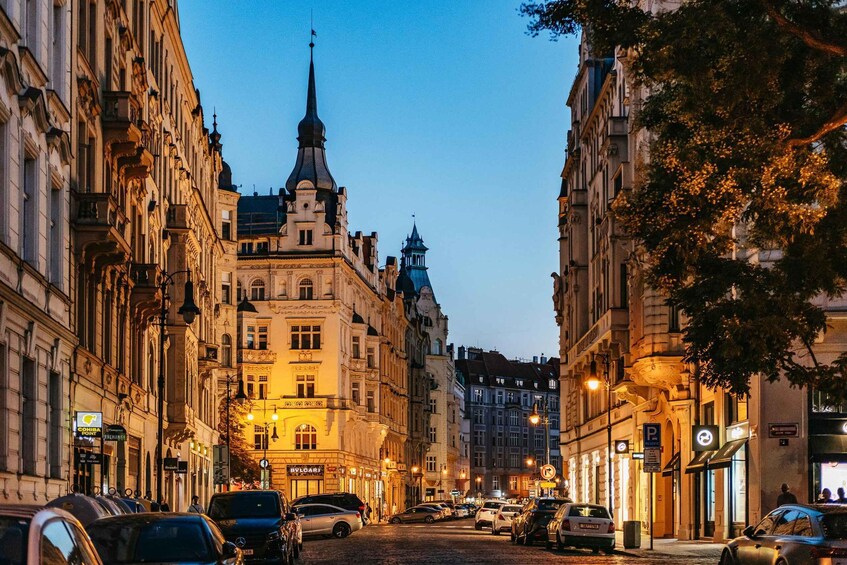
pixel 502 521
pixel 462 511
pixel 34 534
pixel 84 508
pixel 325 519
pixel 168 537
pixel 531 524
pixel 449 504
pixel 583 526
pixel 445 510
pixel 259 522
pixel 485 515
pixel 426 514
pixel 343 500
pixel 798 534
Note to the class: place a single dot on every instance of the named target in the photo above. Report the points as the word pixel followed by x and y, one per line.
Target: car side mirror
pixel 749 532
pixel 290 516
pixel 229 549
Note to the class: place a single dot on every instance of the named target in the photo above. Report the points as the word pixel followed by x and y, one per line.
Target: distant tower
pixel 414 260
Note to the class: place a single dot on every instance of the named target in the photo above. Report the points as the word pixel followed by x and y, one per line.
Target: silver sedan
pixel 325 519
pixel 798 534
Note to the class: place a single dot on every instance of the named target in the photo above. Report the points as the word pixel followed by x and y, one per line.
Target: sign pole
pixel 652 480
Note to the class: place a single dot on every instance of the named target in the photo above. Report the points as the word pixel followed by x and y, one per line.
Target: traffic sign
pixel 264 463
pixel 652 435
pixel 548 471
pixel 548 484
pixel 652 460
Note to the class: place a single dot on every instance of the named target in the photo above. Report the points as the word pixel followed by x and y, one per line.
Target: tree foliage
pixel 241 465
pixel 741 207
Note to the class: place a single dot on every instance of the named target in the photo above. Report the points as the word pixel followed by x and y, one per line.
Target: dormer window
pixel 305 237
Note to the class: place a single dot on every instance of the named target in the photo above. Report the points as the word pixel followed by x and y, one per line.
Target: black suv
pixel 344 500
pixel 260 522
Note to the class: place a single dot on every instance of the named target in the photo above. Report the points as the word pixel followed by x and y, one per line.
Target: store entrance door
pixel 709 504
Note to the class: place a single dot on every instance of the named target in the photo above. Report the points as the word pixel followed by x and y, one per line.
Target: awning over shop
pixel 828 448
pixel 723 456
pixel 699 462
pixel 673 465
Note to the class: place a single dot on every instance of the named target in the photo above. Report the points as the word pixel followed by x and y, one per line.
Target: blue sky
pixel 445 110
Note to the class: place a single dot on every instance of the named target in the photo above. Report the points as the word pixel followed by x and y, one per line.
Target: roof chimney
pixel 461 352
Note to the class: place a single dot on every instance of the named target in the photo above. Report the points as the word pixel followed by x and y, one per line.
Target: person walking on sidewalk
pixel 195 505
pixel 786 497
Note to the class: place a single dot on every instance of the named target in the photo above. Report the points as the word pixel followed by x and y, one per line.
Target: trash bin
pixel 632 534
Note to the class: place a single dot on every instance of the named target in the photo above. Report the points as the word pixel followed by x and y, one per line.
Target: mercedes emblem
pixel 240 542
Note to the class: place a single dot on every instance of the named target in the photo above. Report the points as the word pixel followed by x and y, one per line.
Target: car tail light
pixel 500 517
pixel 611 527
pixel 361 508
pixel 358 515
pixel 821 552
pixel 566 525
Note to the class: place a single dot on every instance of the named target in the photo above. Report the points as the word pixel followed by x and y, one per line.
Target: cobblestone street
pixel 458 542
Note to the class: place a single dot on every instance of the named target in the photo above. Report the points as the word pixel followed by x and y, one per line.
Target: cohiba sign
pixel 89 424
pixel 305 470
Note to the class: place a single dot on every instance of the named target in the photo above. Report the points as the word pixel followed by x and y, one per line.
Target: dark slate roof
pixel 372 330
pixel 246 306
pixel 357 319
pixel 225 178
pixel 260 215
pixel 490 365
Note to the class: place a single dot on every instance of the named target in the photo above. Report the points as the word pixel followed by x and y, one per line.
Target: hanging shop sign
pixel 705 438
pixel 305 470
pixel 88 458
pixel 171 464
pixel 115 433
pixel 738 431
pixel 182 467
pixel 89 424
pixel 622 446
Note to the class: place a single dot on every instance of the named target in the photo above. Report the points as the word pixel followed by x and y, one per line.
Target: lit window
pixel 431 465
pixel 305 337
pixel 305 437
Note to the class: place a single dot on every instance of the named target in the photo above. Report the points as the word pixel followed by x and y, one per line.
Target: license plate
pixel 247 551
pixel 589 526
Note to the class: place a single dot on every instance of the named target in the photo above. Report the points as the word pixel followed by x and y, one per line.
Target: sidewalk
pixel 671 548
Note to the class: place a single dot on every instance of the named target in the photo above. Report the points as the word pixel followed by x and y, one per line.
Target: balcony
pixel 178 217
pixel 257 356
pixel 120 119
pixel 101 227
pixel 208 356
pixel 612 327
pixel 146 296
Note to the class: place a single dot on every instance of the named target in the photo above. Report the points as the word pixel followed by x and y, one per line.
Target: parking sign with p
pixel 652 435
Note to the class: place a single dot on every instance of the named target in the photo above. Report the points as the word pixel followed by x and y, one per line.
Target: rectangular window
pixel 263 387
pixel 479 395
pixel 357 350
pixel 514 418
pixel 433 434
pixel 624 287
pixel 29 431
pixel 479 437
pixel 371 358
pixel 371 402
pixel 355 393
pixel 260 437
pixel 29 211
pixel 305 386
pixel 433 404
pixel 305 237
pixel 247 248
pixel 478 417
pixel 431 464
pixel 251 386
pixel 54 425
pixel 4 180
pixel 499 397
pixel 479 459
pixel 226 288
pixel 673 318
pixel 226 225
pixel 305 337
pixel 495 482
pixel 262 246
pixel 251 337
pixel 263 337
pixel 513 481
pixel 57 55
pixel 5 414
pixel 56 248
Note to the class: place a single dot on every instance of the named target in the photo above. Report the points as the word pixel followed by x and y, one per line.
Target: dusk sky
pixel 444 110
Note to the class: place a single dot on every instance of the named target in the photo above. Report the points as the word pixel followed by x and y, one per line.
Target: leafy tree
pixel 241 465
pixel 741 205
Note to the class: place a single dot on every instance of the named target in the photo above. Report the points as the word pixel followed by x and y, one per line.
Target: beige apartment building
pixel 615 328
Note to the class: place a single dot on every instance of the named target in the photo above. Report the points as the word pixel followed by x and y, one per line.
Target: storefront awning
pixel 828 448
pixel 723 456
pixel 673 465
pixel 699 462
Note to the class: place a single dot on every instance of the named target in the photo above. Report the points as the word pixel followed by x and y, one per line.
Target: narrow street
pixel 458 542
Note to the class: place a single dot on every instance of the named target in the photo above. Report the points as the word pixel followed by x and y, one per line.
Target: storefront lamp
pixel 274 416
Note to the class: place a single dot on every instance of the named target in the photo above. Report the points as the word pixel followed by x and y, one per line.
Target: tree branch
pixel 810 37
pixel 839 119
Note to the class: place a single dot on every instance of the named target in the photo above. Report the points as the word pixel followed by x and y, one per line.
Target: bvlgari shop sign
pixel 305 470
pixel 89 424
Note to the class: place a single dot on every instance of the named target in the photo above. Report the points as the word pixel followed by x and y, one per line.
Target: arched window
pixel 306 289
pixel 226 350
pixel 257 290
pixel 436 347
pixel 305 437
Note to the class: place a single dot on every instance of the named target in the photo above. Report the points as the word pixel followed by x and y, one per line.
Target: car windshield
pixel 151 541
pixel 547 504
pixel 585 511
pixel 491 505
pixel 511 509
pixel 259 505
pixel 834 525
pixel 13 532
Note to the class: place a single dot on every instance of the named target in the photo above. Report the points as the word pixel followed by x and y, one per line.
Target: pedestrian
pixel 384 510
pixel 196 506
pixel 825 497
pixel 841 498
pixel 164 507
pixel 786 497
pixel 367 513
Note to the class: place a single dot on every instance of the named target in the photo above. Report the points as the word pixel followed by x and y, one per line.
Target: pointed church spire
pixel 311 156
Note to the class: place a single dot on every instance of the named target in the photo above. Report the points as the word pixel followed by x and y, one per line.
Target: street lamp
pixel 593 383
pixel 478 487
pixel 535 418
pixel 415 472
pixel 240 398
pixel 189 312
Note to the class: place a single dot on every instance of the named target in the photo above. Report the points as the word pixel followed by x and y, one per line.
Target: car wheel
pixel 341 530
pixel 512 535
pixel 518 539
pixel 559 545
pixel 394 521
pixel 548 544
pixel 726 558
pixel 429 519
pixel 477 526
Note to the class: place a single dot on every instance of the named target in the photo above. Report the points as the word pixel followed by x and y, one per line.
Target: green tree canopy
pixel 241 465
pixel 741 205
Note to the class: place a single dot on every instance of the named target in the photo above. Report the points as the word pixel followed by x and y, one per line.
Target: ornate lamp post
pixel 535 418
pixel 189 312
pixel 240 398
pixel 593 383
